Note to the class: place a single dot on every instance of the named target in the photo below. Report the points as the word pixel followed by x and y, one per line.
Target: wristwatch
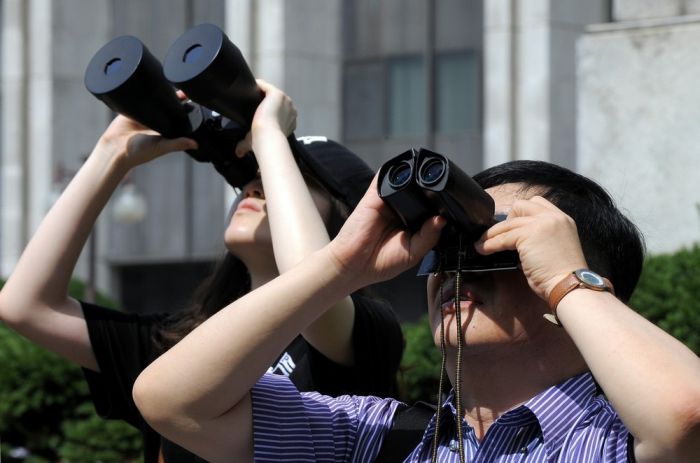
pixel 581 278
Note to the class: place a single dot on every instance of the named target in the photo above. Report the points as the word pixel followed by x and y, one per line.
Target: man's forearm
pixel 651 379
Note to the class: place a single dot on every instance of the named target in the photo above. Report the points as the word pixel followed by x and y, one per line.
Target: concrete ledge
pixel 643 24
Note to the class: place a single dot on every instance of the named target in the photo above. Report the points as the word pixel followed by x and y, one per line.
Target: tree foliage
pixel 45 408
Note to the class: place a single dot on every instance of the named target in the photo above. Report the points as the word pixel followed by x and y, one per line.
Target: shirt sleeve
pixel 599 435
pixel 123 346
pixel 293 426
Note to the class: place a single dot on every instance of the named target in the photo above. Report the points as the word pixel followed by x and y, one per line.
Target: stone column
pixel 530 78
pixel 296 46
pixel 49 121
pixel 14 195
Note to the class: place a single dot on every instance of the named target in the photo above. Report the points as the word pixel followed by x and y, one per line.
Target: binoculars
pixel 209 68
pixel 420 184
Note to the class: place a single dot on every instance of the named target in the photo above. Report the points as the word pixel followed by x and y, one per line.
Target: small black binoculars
pixel 421 184
pixel 209 69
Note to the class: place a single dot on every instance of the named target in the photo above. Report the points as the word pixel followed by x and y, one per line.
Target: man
pixel 604 385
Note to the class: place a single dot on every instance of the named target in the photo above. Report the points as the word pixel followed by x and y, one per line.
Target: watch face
pixel 590 278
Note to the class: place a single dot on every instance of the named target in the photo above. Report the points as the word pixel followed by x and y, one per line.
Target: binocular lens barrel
pixel 400 174
pixel 431 171
pixel 124 75
pixel 211 70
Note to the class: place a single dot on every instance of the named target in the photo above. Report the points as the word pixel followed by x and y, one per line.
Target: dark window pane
pixel 406 103
pixel 457 86
pixel 363 101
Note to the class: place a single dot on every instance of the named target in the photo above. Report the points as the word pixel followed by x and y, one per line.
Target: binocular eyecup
pixel 418 184
pixel 204 63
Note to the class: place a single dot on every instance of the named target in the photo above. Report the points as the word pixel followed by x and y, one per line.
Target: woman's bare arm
pixel 35 300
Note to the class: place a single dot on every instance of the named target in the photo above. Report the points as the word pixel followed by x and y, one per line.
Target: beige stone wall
pixel 638 119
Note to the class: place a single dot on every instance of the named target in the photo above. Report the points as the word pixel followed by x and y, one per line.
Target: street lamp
pixel 129 207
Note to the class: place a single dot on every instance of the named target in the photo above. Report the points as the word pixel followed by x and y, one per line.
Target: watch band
pixel 571 282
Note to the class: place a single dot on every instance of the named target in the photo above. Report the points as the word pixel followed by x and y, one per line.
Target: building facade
pixel 482 82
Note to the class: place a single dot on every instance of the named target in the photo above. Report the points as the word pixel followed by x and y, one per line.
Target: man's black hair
pixel 612 244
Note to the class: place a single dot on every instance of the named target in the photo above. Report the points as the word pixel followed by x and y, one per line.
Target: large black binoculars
pixel 209 68
pixel 420 184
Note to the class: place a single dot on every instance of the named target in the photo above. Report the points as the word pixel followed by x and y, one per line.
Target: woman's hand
pixel 275 112
pixel 132 143
pixel 372 246
pixel 546 240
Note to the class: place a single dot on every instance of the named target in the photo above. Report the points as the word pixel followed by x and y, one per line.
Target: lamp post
pixel 90 294
pixel 129 207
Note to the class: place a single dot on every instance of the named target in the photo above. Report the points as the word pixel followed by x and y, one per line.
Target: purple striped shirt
pixel 569 422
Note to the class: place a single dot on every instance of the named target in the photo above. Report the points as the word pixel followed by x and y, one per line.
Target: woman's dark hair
pixel 228 281
pixel 230 278
pixel 612 244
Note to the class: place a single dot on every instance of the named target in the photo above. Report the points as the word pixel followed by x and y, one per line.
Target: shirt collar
pixel 558 407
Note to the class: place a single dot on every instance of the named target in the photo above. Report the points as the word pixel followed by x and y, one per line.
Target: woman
pixel 355 348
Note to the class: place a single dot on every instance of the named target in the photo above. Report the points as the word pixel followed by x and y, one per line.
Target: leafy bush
pixel 420 365
pixel 668 294
pixel 89 438
pixel 45 407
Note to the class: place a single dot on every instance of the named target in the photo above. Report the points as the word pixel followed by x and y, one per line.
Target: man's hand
pixel 546 240
pixel 372 246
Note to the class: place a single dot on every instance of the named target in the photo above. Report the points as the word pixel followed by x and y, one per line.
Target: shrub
pixel 668 294
pixel 45 407
pixel 420 365
pixel 88 438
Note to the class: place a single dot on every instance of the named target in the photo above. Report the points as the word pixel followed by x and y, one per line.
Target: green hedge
pixel 45 407
pixel 668 294
pixel 420 365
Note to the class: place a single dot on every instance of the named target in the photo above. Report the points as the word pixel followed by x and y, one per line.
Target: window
pixel 363 105
pixel 457 86
pixel 407 96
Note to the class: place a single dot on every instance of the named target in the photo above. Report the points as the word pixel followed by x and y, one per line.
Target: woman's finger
pixel 244 146
pixel 168 145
